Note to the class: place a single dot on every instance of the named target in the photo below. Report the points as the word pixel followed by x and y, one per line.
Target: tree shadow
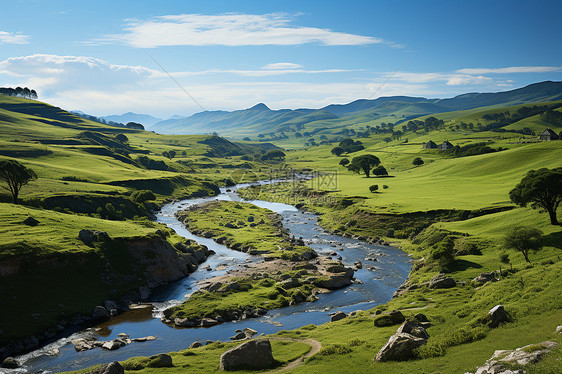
pixel 553 240
pixel 462 265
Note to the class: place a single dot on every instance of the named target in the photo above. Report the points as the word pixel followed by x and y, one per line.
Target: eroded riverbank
pixel 384 270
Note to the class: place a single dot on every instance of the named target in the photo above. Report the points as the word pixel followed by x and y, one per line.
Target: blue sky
pixel 110 57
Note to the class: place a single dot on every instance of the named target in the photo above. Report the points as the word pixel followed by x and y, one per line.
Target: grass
pixel 243 226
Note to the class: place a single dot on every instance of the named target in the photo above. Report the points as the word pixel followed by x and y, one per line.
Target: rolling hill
pixel 260 119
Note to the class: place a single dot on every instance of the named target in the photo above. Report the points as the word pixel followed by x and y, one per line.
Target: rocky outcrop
pixel 30 221
pixel 89 237
pixel 400 347
pixel 485 278
pixel 10 363
pixel 393 318
pixel 87 343
pixel 160 361
pixel 337 316
pixel 442 281
pixel 496 316
pixel 413 328
pixel 112 368
pixel 252 355
pixel 502 360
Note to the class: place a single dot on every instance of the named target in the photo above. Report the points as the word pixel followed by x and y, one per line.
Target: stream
pixel 379 279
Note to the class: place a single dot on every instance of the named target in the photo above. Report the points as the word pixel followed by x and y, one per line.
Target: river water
pixel 379 279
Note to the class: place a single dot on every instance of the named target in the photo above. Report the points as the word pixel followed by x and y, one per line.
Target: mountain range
pixel 261 119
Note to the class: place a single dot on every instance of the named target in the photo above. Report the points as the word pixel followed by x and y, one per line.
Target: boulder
pixel 143 339
pixel 249 332
pixel 10 363
pixel 252 355
pixel 442 281
pixel 502 361
pixel 184 322
pixel 393 318
pixel 160 361
pixel 83 344
pixel 30 221
pixel 206 322
pixel 100 312
pixel 195 345
pixel 496 316
pixel 113 345
pixel 400 347
pixel 112 368
pixel 337 316
pixel 413 328
pixel 485 277
pixel 88 237
pixel 238 336
pixel 420 317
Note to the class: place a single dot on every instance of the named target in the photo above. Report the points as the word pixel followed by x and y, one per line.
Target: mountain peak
pixel 260 106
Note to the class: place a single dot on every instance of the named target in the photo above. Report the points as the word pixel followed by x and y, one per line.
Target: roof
pixel 430 143
pixel 446 142
pixel 548 132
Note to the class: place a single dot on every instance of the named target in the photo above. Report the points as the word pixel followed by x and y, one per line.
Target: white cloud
pixel 282 65
pixel 451 79
pixel 13 38
pixel 509 70
pixel 227 30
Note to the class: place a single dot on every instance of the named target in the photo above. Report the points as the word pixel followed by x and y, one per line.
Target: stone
pixel 337 316
pixel 30 221
pixel 88 237
pixel 502 361
pixel 496 316
pixel 206 322
pixel 442 281
pixel 420 317
pixel 400 347
pixel 238 336
pixel 249 332
pixel 100 312
pixel 559 329
pixel 113 345
pixel 393 318
pixel 195 345
pixel 252 355
pixel 485 277
pixel 83 344
pixel 160 361
pixel 413 328
pixel 112 368
pixel 144 339
pixel 184 322
pixel 10 363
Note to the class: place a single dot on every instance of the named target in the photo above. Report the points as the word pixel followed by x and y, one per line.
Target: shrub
pixel 374 188
pixel 380 171
pixel 418 161
pixel 141 196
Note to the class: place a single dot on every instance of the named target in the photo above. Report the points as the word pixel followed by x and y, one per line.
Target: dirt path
pixel 315 344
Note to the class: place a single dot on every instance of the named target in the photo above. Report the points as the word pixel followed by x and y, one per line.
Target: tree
pixel 374 188
pixel 16 176
pixel 337 151
pixel 418 161
pixel 524 239
pixel 363 163
pixel 275 153
pixel 380 171
pixel 171 154
pixel 344 161
pixel 134 125
pixel 541 189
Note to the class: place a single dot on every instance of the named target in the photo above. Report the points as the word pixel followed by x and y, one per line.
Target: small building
pixel 429 145
pixel 445 145
pixel 548 134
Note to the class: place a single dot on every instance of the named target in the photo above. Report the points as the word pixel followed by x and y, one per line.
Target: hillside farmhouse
pixel 445 145
pixel 429 145
pixel 548 134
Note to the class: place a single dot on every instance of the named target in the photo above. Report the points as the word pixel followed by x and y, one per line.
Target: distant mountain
pixel 259 119
pixel 145 119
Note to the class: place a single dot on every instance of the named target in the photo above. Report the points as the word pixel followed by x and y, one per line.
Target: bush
pixel 418 161
pixel 143 195
pixel 344 161
pixel 380 171
pixel 374 188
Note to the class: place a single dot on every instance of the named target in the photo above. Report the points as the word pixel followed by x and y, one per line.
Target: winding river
pixel 379 279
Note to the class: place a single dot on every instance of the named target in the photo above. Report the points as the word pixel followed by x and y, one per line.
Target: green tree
pixel 374 188
pixel 417 161
pixel 380 171
pixel 344 161
pixel 16 176
pixel 524 239
pixel 363 164
pixel 337 151
pixel 275 153
pixel 541 189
